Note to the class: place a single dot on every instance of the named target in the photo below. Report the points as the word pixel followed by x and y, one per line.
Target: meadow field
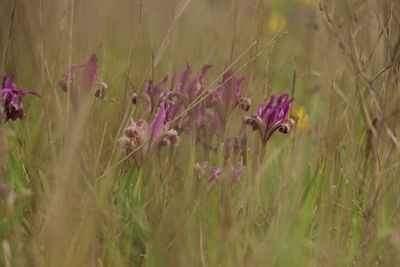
pixel 200 133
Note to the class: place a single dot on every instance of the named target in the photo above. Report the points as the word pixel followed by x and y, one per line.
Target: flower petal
pixel 214 173
pixel 157 127
pixel 88 75
pixel 184 77
pixel 239 173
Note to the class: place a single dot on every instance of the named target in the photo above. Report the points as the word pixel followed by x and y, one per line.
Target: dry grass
pixel 327 196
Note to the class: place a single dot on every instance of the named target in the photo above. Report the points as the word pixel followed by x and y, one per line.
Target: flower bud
pixel 245 104
pixel 200 170
pixel 134 99
pixel 175 139
pixel 165 142
pixel 124 143
pixel 131 132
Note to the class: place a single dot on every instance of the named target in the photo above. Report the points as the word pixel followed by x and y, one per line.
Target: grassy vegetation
pixel 325 194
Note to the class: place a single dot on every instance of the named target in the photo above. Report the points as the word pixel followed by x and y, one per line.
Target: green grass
pixel 328 196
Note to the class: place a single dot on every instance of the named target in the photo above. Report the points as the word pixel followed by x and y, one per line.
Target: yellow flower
pixel 306 2
pixel 301 119
pixel 276 22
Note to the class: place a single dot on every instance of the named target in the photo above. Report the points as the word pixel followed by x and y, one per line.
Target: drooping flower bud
pixel 124 143
pixel 131 132
pixel 134 99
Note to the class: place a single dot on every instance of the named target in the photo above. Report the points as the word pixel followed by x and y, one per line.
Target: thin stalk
pixel 261 156
pixel 137 192
pixel 190 171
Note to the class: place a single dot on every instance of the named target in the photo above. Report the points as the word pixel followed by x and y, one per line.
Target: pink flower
pixel 154 95
pixel 178 97
pixel 84 81
pixel 187 90
pixel 215 172
pixel 229 96
pixel 238 173
pixel 143 139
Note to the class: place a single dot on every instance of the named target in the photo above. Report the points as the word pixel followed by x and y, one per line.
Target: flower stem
pixel 261 157
pixel 137 192
pixel 190 172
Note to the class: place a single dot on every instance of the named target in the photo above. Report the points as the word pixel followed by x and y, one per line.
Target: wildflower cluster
pixel 186 106
pixel 179 107
pixel 79 83
pixel 141 138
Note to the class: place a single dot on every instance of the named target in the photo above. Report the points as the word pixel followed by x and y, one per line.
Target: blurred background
pixel 326 194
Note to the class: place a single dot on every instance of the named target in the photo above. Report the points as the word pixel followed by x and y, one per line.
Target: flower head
pixel 276 22
pixel 229 96
pixel 142 138
pixel 270 117
pixel 177 98
pixel 12 99
pixel 200 170
pixel 213 125
pixel 188 89
pixel 307 2
pixel 154 95
pixel 86 79
pixel 215 172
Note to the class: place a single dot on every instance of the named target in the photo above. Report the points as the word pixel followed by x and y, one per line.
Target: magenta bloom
pixel 144 138
pixel 238 173
pixel 213 125
pixel 200 170
pixel 270 117
pixel 12 99
pixel 186 91
pixel 86 79
pixel 154 94
pixel 215 172
pixel 189 89
pixel 229 96
pixel 178 97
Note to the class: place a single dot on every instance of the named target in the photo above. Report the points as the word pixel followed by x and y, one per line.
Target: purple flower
pixel 215 172
pixel 85 80
pixel 144 138
pixel 213 125
pixel 154 94
pixel 229 96
pixel 270 117
pixel 173 110
pixel 239 173
pixel 187 90
pixel 12 99
pixel 178 97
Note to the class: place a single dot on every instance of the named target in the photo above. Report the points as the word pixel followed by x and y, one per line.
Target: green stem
pixel 220 155
pixel 261 157
pixel 190 172
pixel 137 192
